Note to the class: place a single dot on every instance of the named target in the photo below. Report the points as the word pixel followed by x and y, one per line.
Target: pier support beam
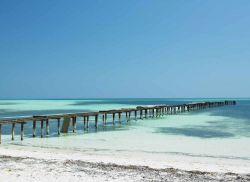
pixel 58 126
pixel 74 124
pixel 41 128
pixel 103 119
pixel 47 126
pixel 113 116
pixel 140 114
pixel 22 131
pixel 106 116
pixel 84 122
pixel 87 121
pixel 34 128
pixel 126 116
pixel 13 131
pixel 119 115
pixel 96 121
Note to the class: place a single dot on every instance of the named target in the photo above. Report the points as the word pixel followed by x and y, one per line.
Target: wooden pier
pixel 140 112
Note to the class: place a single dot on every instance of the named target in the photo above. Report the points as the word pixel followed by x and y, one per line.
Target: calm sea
pixel 222 132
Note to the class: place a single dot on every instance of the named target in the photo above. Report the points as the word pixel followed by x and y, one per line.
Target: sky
pixel 115 49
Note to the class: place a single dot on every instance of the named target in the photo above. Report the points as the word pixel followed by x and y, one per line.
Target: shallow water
pixel 217 133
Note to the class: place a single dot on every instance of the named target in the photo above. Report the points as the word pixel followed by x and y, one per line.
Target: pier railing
pixel 140 112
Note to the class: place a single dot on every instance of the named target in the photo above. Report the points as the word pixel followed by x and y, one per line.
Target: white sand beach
pixel 32 164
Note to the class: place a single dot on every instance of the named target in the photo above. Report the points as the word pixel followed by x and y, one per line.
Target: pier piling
pixel 113 118
pixel 96 121
pixel 58 126
pixel 41 128
pixel 74 124
pixel 22 130
pixel 13 131
pixel 34 128
pixel 119 115
pixel 47 126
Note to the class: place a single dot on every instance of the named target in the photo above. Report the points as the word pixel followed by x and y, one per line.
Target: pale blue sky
pixel 115 48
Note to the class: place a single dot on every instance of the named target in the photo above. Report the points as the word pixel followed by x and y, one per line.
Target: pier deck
pixel 140 111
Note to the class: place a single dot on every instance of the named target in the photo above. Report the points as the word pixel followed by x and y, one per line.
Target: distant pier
pixel 140 112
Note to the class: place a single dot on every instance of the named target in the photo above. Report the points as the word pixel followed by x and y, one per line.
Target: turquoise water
pixel 222 132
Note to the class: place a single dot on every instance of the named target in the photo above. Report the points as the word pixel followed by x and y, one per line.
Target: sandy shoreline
pixel 29 164
pixel 31 169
